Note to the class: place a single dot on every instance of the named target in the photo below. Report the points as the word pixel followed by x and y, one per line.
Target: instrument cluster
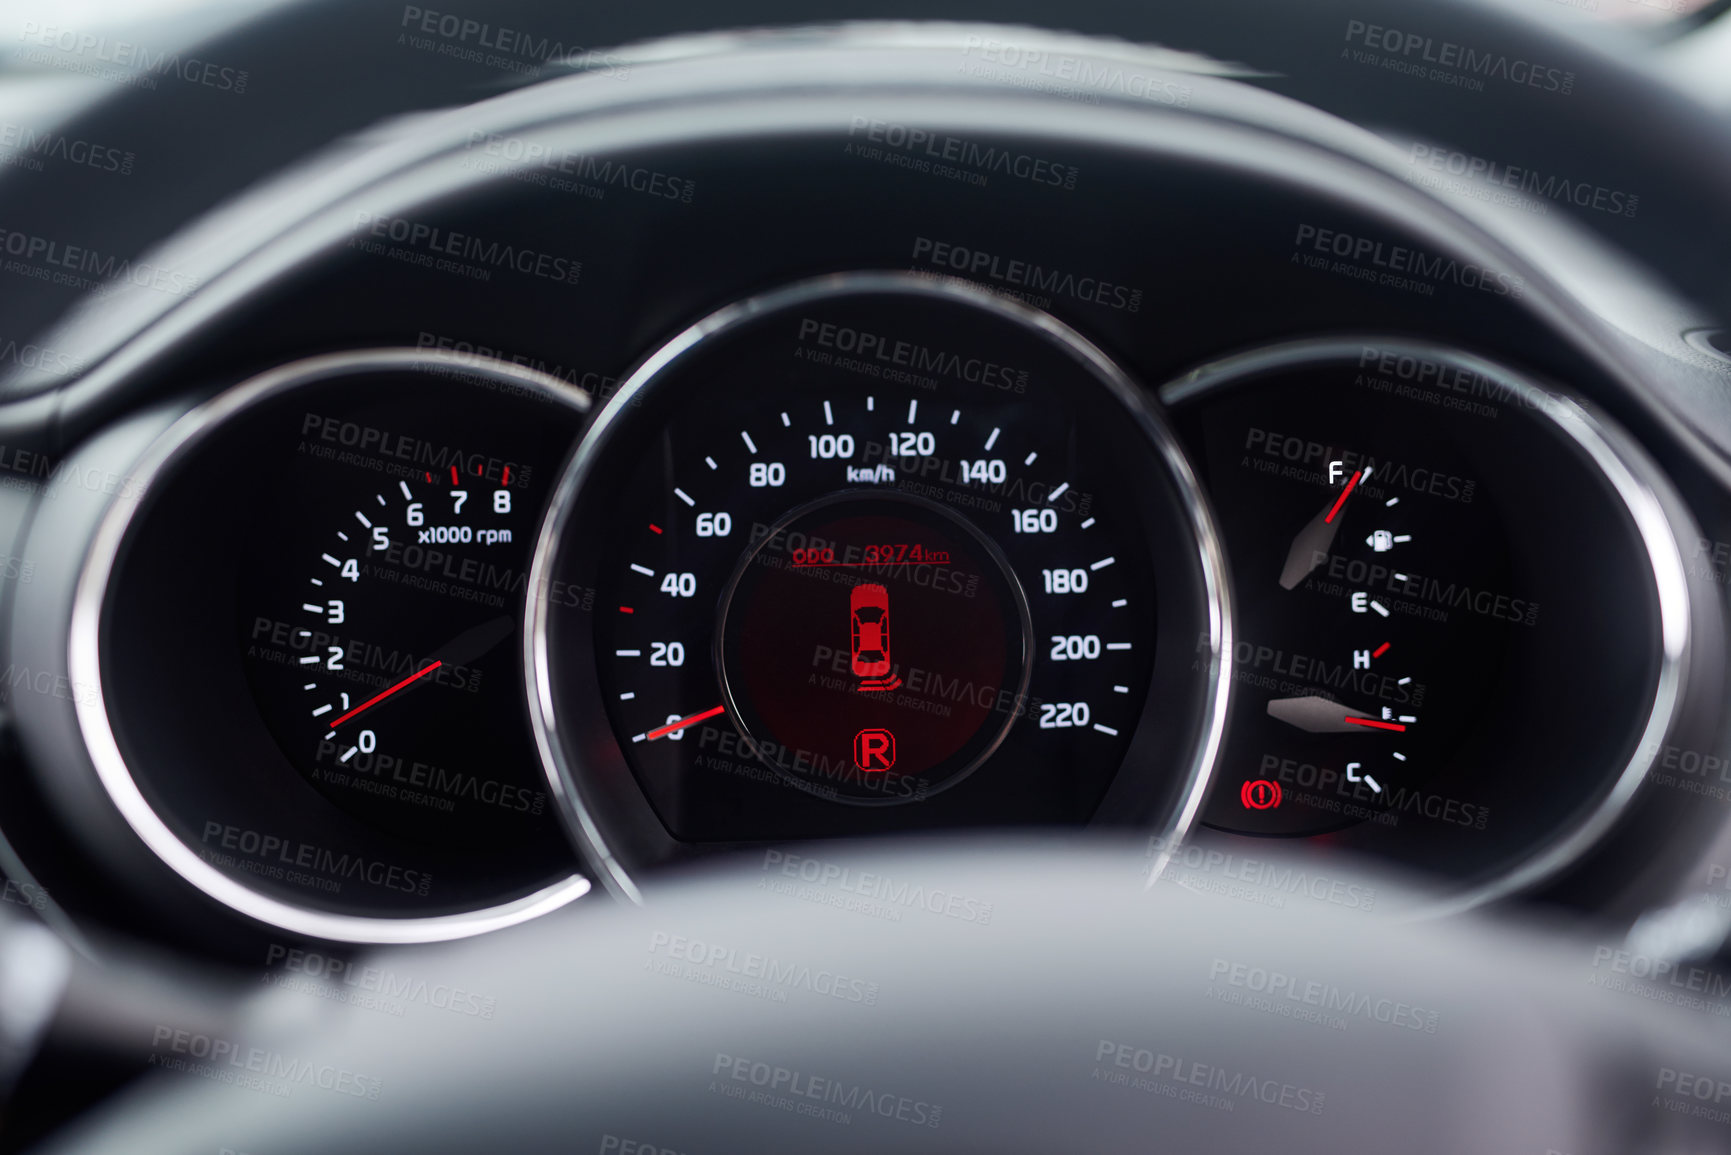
pixel 432 592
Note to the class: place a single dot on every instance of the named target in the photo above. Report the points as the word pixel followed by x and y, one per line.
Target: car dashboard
pixel 747 441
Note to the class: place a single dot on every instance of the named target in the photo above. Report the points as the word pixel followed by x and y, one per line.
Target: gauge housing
pixel 167 705
pixel 623 798
pixel 1551 585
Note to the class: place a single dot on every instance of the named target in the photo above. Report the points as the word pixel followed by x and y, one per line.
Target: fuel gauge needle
pixel 1310 547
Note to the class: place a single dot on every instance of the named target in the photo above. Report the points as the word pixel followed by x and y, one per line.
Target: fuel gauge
pixel 1431 557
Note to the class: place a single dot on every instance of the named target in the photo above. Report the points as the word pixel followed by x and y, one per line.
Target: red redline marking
pixel 683 723
pixel 626 610
pixel 1376 724
pixel 477 469
pixel 383 694
pixel 506 479
pixel 454 475
pixel 1380 650
pixel 1341 500
pixel 653 528
pixel 429 477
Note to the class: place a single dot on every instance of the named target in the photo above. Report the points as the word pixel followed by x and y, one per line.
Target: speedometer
pixel 878 551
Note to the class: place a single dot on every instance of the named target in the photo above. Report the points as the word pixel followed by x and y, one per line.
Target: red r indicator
pixel 874 750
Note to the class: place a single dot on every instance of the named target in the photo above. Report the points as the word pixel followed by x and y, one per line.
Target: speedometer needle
pixel 663 731
pixel 383 694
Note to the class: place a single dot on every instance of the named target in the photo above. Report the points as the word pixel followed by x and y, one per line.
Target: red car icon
pixel 871 631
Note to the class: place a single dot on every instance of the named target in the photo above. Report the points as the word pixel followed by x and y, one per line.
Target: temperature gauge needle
pixel 1319 715
pixel 1310 547
pixel 663 731
pixel 383 694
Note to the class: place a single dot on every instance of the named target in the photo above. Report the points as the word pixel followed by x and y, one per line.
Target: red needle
pixel 1377 724
pixel 383 694
pixel 683 723
pixel 1344 494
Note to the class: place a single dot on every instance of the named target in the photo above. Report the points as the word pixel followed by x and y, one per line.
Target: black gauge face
pixel 357 742
pixel 1377 599
pixel 877 559
pixel 876 580
pixel 1421 557
pixel 379 631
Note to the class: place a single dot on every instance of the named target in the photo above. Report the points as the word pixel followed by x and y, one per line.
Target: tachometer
pixel 337 553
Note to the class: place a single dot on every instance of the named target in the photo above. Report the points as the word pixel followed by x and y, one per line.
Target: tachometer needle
pixel 383 694
pixel 663 731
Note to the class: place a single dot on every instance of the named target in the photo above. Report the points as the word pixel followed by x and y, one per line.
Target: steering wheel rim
pixel 1014 997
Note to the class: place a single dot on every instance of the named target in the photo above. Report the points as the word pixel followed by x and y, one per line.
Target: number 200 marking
pixel 1075 647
